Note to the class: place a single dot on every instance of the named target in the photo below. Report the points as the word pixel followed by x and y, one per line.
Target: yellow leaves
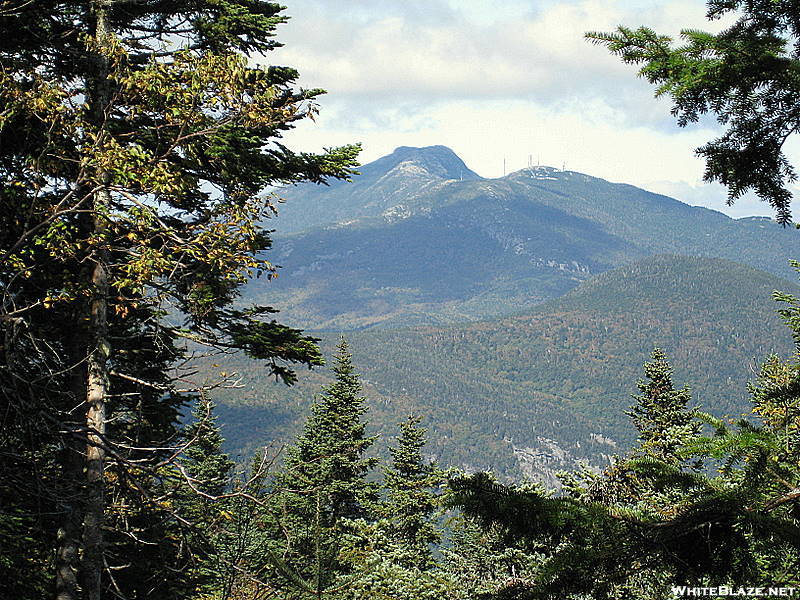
pixel 52 298
pixel 131 166
pixel 108 46
pixel 174 121
pixel 225 244
pixel 204 92
pixel 226 514
pixel 29 93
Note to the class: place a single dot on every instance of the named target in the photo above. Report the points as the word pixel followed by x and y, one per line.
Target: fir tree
pixel 329 455
pixel 207 468
pixel 480 563
pixel 323 483
pixel 410 482
pixel 392 556
pixel 661 414
pixel 205 477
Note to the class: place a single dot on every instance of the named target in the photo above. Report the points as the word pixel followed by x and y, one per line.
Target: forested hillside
pixel 497 392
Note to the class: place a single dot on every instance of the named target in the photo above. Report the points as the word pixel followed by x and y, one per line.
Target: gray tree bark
pixel 99 349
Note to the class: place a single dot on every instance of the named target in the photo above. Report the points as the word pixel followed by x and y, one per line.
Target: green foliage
pixel 746 76
pixel 203 478
pixel 25 557
pixel 653 520
pixel 411 482
pixel 136 141
pixel 500 385
pixel 387 566
pixel 330 453
pixel 483 563
pixel 323 486
pixel 661 414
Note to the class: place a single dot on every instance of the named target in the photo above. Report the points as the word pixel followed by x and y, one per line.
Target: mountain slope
pixel 389 187
pixel 450 265
pixel 419 239
pixel 536 392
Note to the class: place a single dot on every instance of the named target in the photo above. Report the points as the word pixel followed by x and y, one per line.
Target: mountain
pixel 390 187
pixel 419 239
pixel 538 392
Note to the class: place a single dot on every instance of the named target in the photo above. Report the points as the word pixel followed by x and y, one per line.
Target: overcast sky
pixel 497 80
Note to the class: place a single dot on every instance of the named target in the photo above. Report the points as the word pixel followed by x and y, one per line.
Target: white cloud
pixel 494 80
pixel 400 52
pixel 585 135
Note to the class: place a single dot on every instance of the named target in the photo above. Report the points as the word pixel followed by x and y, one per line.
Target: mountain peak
pixel 393 187
pixel 536 172
pixel 437 161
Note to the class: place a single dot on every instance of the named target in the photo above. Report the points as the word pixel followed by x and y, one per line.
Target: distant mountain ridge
pixel 514 313
pixel 418 238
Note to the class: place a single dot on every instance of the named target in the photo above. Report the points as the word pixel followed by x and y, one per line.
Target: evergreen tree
pixel 205 476
pixel 385 567
pixel 481 563
pixel 667 428
pixel 323 484
pixel 136 139
pixel 411 501
pixel 206 467
pixel 392 556
pixel 661 414
pixel 135 142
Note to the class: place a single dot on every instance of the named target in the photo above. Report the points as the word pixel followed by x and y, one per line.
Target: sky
pixel 501 83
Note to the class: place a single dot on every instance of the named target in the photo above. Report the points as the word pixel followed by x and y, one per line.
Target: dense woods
pixel 135 143
pixel 138 144
pixel 563 373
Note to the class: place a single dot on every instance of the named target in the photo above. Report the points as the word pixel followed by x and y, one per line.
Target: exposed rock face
pixel 543 462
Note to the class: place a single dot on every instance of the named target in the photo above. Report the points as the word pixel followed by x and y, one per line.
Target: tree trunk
pixel 69 534
pixel 96 390
pixel 97 362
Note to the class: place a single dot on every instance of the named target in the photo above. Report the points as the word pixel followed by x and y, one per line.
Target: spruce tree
pixel 206 467
pixel 661 414
pixel 411 501
pixel 479 562
pixel 204 476
pixel 392 556
pixel 323 484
